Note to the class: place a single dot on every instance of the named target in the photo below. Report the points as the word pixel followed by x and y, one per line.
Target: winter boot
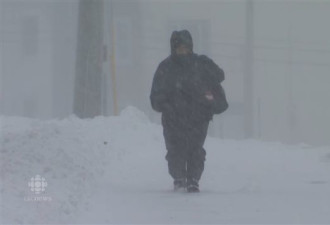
pixel 179 184
pixel 192 186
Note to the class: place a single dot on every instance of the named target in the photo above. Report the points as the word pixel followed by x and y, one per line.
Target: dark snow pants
pixel 184 143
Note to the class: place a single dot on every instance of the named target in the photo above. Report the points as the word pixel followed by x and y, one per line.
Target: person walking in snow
pixel 187 90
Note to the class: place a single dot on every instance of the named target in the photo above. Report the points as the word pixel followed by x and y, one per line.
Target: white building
pixel 38 42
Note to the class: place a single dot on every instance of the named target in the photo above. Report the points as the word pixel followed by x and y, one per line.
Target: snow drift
pixel 112 170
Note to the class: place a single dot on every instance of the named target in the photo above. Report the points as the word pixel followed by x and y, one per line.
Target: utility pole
pixel 88 80
pixel 248 72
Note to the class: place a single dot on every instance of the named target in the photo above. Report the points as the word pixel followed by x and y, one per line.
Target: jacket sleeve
pixel 159 92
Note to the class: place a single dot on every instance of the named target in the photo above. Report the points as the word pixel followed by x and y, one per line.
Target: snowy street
pixel 91 90
pixel 111 170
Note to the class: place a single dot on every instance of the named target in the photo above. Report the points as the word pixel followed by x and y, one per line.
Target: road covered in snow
pixel 112 170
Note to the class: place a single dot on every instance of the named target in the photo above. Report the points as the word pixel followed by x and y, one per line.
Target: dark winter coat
pixel 181 82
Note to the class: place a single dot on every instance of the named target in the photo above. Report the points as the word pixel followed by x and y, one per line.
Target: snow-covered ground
pixel 112 170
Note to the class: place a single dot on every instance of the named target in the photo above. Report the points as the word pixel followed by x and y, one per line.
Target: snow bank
pixel 112 170
pixel 71 154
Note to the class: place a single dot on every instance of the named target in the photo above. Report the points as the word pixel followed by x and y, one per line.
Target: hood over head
pixel 182 37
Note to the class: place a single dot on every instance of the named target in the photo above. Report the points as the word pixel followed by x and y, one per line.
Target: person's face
pixel 182 50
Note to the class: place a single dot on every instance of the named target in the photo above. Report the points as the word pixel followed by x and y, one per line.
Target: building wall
pixel 25 50
pixel 64 23
pixel 292 64
pixel 38 47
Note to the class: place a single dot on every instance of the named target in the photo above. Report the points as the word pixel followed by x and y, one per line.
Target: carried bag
pixel 220 101
pixel 210 78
